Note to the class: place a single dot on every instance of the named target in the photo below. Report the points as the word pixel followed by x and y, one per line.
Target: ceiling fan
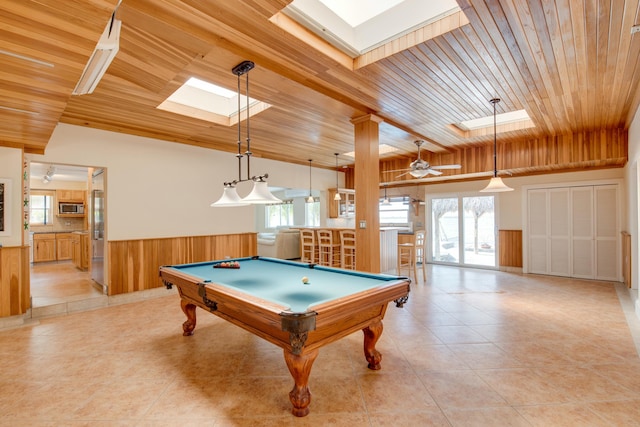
pixel 420 168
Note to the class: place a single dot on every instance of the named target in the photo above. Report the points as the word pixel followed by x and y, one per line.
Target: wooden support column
pixel 367 187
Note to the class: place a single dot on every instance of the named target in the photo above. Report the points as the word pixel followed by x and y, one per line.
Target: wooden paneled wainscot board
pixel 510 248
pixel 14 281
pixel 134 264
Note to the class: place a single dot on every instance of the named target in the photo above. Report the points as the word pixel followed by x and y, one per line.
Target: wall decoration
pixel 5 207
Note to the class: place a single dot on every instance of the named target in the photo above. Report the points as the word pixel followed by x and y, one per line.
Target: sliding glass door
pixel 463 230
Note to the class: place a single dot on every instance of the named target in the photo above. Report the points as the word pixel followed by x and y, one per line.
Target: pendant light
pixel 495 185
pixel 386 200
pixel 337 196
pixel 310 198
pixel 260 193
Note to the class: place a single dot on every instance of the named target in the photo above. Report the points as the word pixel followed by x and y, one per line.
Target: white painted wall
pixel 11 168
pixel 163 189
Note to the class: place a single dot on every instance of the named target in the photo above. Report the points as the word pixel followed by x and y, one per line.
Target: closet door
pixel 559 230
pixel 606 233
pixel 582 231
pixel 574 231
pixel 537 227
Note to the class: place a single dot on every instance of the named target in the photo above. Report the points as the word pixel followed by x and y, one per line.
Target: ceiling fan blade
pixel 434 172
pixel 402 174
pixel 396 170
pixel 446 167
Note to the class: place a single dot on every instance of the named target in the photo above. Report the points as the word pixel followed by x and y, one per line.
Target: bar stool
pixel 328 252
pixel 407 259
pixel 348 249
pixel 413 253
pixel 307 246
pixel 421 250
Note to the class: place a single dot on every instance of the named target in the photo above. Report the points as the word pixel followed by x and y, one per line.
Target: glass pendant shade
pixel 229 198
pixel 260 195
pixel 418 173
pixel 496 186
pixel 310 199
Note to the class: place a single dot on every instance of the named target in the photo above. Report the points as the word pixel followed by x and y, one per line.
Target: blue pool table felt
pixel 280 281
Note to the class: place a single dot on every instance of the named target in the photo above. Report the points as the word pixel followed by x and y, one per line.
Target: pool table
pixel 268 297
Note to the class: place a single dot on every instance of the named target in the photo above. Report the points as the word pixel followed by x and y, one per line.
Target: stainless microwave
pixel 71 208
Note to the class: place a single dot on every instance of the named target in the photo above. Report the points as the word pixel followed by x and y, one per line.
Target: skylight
pixel 210 87
pixel 382 149
pixel 203 100
pixel 355 12
pixel 357 26
pixel 501 119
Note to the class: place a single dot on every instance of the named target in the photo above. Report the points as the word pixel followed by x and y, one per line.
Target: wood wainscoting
pixel 134 264
pixel 14 281
pixel 510 248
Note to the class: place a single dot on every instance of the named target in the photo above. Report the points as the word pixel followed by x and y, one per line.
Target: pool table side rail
pixel 260 317
pixel 342 317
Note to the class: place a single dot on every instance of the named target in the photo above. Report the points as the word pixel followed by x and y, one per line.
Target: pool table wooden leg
pixel 190 311
pixel 371 335
pixel 300 367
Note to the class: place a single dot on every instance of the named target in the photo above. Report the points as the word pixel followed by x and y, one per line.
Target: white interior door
pixel 582 244
pixel 538 233
pixel 607 247
pixel 558 253
pixel 574 231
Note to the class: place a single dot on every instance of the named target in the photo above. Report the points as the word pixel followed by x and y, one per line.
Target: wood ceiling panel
pixel 573 65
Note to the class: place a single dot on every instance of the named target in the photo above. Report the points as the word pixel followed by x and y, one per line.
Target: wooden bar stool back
pixel 420 240
pixel 328 252
pixel 307 246
pixel 348 249
pixel 407 259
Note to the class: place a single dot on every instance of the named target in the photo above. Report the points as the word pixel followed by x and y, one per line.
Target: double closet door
pixel 574 231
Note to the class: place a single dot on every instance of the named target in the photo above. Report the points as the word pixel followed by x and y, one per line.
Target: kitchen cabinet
pixel 44 247
pixel 80 250
pixel 76 196
pixel 343 208
pixel 64 244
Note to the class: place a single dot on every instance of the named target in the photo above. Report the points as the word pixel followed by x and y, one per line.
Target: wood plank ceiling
pixel 574 66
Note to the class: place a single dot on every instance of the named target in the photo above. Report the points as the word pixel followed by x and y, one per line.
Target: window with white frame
pixel 395 213
pixel 312 213
pixel 279 215
pixel 41 210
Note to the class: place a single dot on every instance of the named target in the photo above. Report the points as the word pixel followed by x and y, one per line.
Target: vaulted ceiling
pixel 574 66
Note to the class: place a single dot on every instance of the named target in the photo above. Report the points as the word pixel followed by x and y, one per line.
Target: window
pixel 396 213
pixel 312 213
pixel 279 215
pixel 41 208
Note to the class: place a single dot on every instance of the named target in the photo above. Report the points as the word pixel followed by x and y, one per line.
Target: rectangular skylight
pixel 382 149
pixel 210 87
pixel 207 101
pixel 501 119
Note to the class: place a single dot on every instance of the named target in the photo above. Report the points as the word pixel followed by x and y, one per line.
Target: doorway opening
pixel 62 247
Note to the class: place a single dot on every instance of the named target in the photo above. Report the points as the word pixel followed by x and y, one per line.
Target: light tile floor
pixel 470 348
